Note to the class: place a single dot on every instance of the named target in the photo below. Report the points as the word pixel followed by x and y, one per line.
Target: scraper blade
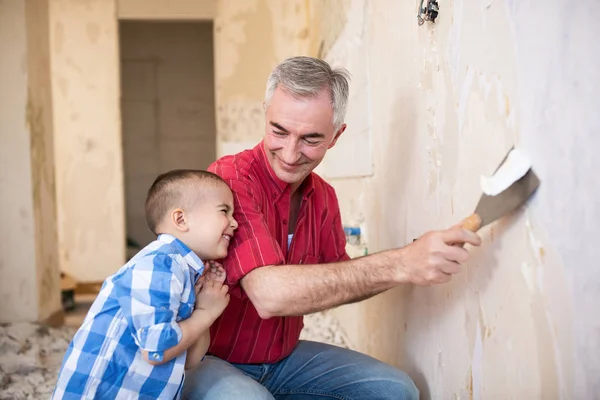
pixel 512 195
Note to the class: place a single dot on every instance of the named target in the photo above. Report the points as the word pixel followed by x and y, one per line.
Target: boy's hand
pixel 213 297
pixel 215 272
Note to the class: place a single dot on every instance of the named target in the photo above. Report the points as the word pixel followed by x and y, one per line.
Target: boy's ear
pixel 179 220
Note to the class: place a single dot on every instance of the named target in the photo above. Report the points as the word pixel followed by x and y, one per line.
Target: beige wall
pixel 87 126
pixel 447 101
pixel 29 275
pixel 168 107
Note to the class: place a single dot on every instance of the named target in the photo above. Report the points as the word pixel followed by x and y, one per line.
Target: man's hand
pixel 436 256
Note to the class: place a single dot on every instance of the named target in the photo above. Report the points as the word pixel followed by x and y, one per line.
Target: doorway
pixel 167 108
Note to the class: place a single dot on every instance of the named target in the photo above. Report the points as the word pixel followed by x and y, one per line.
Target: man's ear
pixel 179 220
pixel 337 136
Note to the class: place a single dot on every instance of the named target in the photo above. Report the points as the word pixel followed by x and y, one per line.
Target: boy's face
pixel 211 223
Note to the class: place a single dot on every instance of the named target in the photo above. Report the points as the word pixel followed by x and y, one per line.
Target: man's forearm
pixel 303 289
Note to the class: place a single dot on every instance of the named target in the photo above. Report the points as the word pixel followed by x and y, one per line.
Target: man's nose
pixel 289 153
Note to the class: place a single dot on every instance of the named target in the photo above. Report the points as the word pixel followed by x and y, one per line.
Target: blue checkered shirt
pixel 137 309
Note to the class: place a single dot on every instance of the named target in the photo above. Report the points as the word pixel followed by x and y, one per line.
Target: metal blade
pixel 490 208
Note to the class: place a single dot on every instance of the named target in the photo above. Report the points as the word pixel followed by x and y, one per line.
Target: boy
pixel 151 318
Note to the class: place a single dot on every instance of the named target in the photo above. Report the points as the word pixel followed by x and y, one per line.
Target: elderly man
pixel 288 258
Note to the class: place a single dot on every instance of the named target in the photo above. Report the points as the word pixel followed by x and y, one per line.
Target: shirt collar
pixel 188 255
pixel 281 187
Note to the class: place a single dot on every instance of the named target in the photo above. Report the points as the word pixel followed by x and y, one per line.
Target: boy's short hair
pixel 172 189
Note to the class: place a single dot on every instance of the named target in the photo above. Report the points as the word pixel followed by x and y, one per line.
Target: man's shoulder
pixel 321 186
pixel 235 166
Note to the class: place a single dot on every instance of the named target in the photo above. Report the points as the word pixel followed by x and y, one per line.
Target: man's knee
pixel 387 382
pixel 236 387
pixel 398 385
pixel 216 379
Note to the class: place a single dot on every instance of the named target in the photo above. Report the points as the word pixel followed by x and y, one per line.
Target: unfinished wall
pixel 168 107
pixel 87 127
pixel 29 274
pixel 251 37
pixel 447 101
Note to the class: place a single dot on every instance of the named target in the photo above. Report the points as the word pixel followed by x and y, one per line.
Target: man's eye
pixel 312 142
pixel 279 133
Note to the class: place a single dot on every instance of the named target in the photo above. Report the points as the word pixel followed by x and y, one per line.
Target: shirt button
pixel 285 221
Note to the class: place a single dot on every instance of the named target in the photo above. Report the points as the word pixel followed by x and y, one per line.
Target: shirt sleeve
pixel 149 294
pixel 252 246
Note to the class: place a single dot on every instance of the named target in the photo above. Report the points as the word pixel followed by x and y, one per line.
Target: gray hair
pixel 304 77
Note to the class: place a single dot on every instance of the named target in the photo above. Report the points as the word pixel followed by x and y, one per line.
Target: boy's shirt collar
pixel 188 255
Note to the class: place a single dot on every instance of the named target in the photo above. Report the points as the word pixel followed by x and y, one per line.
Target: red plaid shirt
pixel 262 208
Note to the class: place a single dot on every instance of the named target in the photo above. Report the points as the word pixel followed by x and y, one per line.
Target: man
pixel 288 258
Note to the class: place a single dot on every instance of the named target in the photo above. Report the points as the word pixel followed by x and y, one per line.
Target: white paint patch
pixel 559 369
pixel 528 274
pixel 454 41
pixel 477 363
pixel 513 169
pixel 538 250
pixel 465 93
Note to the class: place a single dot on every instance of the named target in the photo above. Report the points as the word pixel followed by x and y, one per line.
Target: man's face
pixel 298 134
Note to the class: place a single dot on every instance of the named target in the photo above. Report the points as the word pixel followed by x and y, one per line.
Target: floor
pixel 31 354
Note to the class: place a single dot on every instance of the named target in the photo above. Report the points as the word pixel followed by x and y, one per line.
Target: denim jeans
pixel 313 371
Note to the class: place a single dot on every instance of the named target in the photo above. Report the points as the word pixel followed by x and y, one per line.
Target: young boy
pixel 151 318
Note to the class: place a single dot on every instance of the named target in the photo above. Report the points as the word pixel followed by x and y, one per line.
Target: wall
pixel 447 101
pixel 251 37
pixel 29 275
pixel 87 126
pixel 168 107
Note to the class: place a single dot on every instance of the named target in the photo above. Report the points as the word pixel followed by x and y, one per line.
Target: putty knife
pixel 511 185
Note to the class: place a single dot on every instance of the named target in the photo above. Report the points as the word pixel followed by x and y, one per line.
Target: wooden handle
pixel 472 223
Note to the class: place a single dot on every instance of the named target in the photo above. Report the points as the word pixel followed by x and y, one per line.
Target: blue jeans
pixel 313 371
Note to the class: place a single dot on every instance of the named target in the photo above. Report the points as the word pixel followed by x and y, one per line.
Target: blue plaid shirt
pixel 137 309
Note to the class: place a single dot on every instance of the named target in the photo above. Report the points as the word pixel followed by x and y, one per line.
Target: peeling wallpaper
pixel 448 101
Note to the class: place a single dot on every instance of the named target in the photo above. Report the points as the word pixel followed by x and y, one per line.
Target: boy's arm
pixel 193 331
pixel 198 350
pixel 149 294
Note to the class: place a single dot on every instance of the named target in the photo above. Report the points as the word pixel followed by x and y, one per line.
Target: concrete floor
pixel 31 354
